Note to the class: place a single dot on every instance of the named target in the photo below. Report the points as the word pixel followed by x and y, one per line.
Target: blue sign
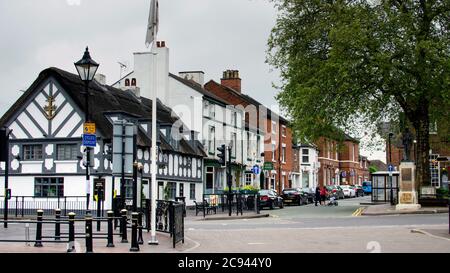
pixel 256 169
pixel 89 140
pixel 390 168
pixel 344 173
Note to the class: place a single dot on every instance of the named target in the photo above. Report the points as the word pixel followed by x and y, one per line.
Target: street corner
pixel 443 234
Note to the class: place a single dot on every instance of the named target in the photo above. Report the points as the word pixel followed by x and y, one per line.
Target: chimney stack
pixel 194 76
pixel 231 79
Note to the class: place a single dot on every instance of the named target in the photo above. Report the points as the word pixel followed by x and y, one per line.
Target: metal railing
pixel 20 206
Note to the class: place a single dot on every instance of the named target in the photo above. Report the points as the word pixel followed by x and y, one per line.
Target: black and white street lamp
pixel 86 68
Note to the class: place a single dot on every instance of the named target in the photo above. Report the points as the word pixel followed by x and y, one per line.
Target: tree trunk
pixel 422 127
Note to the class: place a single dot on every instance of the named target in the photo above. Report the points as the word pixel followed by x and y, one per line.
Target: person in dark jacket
pixel 318 195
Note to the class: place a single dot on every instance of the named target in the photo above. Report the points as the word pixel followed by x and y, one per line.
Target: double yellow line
pixel 358 212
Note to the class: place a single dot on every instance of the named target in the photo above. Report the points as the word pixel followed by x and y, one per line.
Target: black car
pixel 309 194
pixel 270 198
pixel 358 190
pixel 294 196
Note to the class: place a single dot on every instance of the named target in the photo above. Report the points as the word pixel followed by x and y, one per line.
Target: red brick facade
pixel 341 165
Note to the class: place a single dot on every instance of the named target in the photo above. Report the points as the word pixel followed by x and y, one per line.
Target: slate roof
pixel 197 87
pixel 250 100
pixel 103 99
pixel 380 165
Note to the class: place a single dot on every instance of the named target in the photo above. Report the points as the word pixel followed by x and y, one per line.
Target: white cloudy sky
pixel 207 35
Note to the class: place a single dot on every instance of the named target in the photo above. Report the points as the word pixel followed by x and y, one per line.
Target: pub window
pixel 67 152
pixel 181 190
pixel 128 189
pixel 49 187
pixel 171 190
pixel 32 152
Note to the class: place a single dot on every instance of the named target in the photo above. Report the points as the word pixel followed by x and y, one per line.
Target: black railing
pixel 21 206
pixel 240 202
pixel 169 218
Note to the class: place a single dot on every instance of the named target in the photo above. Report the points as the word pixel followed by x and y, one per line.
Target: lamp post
pixel 390 162
pixel 86 68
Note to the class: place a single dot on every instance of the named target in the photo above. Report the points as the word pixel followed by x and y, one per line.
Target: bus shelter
pixel 382 188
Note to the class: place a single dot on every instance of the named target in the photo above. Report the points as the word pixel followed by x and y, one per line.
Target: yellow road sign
pixel 89 128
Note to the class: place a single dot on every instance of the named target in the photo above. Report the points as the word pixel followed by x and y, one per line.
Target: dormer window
pixel 127 82
pixel 133 82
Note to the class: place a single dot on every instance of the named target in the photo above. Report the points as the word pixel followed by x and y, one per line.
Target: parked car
pixel 358 190
pixel 348 191
pixel 337 190
pixel 310 194
pixel 367 187
pixel 270 198
pixel 294 196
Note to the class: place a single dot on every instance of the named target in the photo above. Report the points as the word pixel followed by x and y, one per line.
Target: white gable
pixel 49 114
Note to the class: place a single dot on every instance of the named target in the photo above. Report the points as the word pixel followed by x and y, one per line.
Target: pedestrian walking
pixel 318 199
pixel 323 195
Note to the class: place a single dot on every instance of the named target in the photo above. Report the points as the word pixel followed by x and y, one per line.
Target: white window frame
pixel 248 179
pixel 273 151
pixel 305 155
pixel 274 127
pixel 234 145
pixel 212 112
pixel 283 130
pixel 249 146
pixel 212 140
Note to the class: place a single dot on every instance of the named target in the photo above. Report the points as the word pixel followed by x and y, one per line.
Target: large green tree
pixel 367 60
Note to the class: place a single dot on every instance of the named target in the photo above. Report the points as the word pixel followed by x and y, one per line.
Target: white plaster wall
pixel 187 104
pixel 66 166
pixel 21 185
pixel 32 166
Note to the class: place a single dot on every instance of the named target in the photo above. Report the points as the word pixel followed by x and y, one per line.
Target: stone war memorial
pixel 408 196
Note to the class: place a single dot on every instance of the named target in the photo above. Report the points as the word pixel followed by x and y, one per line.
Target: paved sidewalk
pixel 99 245
pixel 387 209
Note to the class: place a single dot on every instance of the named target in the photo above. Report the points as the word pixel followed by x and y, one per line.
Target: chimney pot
pixel 163 44
pixel 158 44
pixel 231 79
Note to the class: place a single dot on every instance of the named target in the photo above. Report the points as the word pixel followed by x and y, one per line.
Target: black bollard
pixel 71 247
pixel 134 241
pixel 88 220
pixel 123 225
pixel 110 229
pixel 38 242
pixel 140 239
pixel 57 224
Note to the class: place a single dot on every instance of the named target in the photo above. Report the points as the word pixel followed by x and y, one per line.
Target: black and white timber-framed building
pixel 45 144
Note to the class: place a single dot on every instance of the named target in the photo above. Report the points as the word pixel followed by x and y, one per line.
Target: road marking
pixel 197 244
pixel 256 243
pixel 358 212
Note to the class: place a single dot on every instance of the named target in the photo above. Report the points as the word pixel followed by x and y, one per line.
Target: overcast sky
pixel 207 35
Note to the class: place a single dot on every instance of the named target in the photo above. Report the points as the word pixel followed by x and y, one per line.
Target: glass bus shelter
pixel 381 186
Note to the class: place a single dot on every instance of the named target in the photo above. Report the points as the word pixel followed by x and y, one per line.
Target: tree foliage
pixel 342 60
